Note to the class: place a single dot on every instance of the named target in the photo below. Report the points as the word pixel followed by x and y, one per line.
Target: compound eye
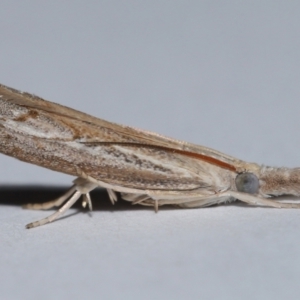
pixel 247 183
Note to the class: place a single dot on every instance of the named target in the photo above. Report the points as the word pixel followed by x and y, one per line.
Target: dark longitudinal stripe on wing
pixel 203 157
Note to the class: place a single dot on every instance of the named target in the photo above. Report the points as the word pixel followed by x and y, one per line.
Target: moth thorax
pixel 247 183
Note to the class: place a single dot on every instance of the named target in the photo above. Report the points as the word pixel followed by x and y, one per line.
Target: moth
pixel 145 167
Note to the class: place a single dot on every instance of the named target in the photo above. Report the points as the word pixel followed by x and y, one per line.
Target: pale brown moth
pixel 145 167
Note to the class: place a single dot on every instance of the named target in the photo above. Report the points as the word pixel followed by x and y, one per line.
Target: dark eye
pixel 247 183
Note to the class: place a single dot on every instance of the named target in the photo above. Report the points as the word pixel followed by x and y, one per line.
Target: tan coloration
pixel 205 158
pixel 72 145
pixel 94 129
pixel 280 181
pixel 147 168
pixel 31 114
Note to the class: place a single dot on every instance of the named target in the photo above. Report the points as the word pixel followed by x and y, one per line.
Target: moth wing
pixel 89 129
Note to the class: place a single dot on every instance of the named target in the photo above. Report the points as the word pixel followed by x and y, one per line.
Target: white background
pixel 223 74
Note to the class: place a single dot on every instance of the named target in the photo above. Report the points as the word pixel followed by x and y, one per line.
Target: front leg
pixel 230 195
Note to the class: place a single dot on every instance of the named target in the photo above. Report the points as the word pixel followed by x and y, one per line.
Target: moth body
pixel 146 168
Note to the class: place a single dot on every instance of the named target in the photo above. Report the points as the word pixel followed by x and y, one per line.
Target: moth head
pixel 247 183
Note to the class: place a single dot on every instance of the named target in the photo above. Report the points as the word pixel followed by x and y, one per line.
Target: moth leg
pixel 58 213
pixel 255 200
pixel 87 201
pixel 186 199
pixel 155 205
pixel 112 196
pixel 190 201
pixel 53 203
pixel 135 198
pixel 205 201
pixel 244 197
pixel 140 199
pixel 81 187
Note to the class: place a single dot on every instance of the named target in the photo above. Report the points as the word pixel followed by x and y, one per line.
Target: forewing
pixel 87 128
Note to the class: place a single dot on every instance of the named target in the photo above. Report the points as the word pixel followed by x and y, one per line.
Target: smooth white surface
pixel 221 74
